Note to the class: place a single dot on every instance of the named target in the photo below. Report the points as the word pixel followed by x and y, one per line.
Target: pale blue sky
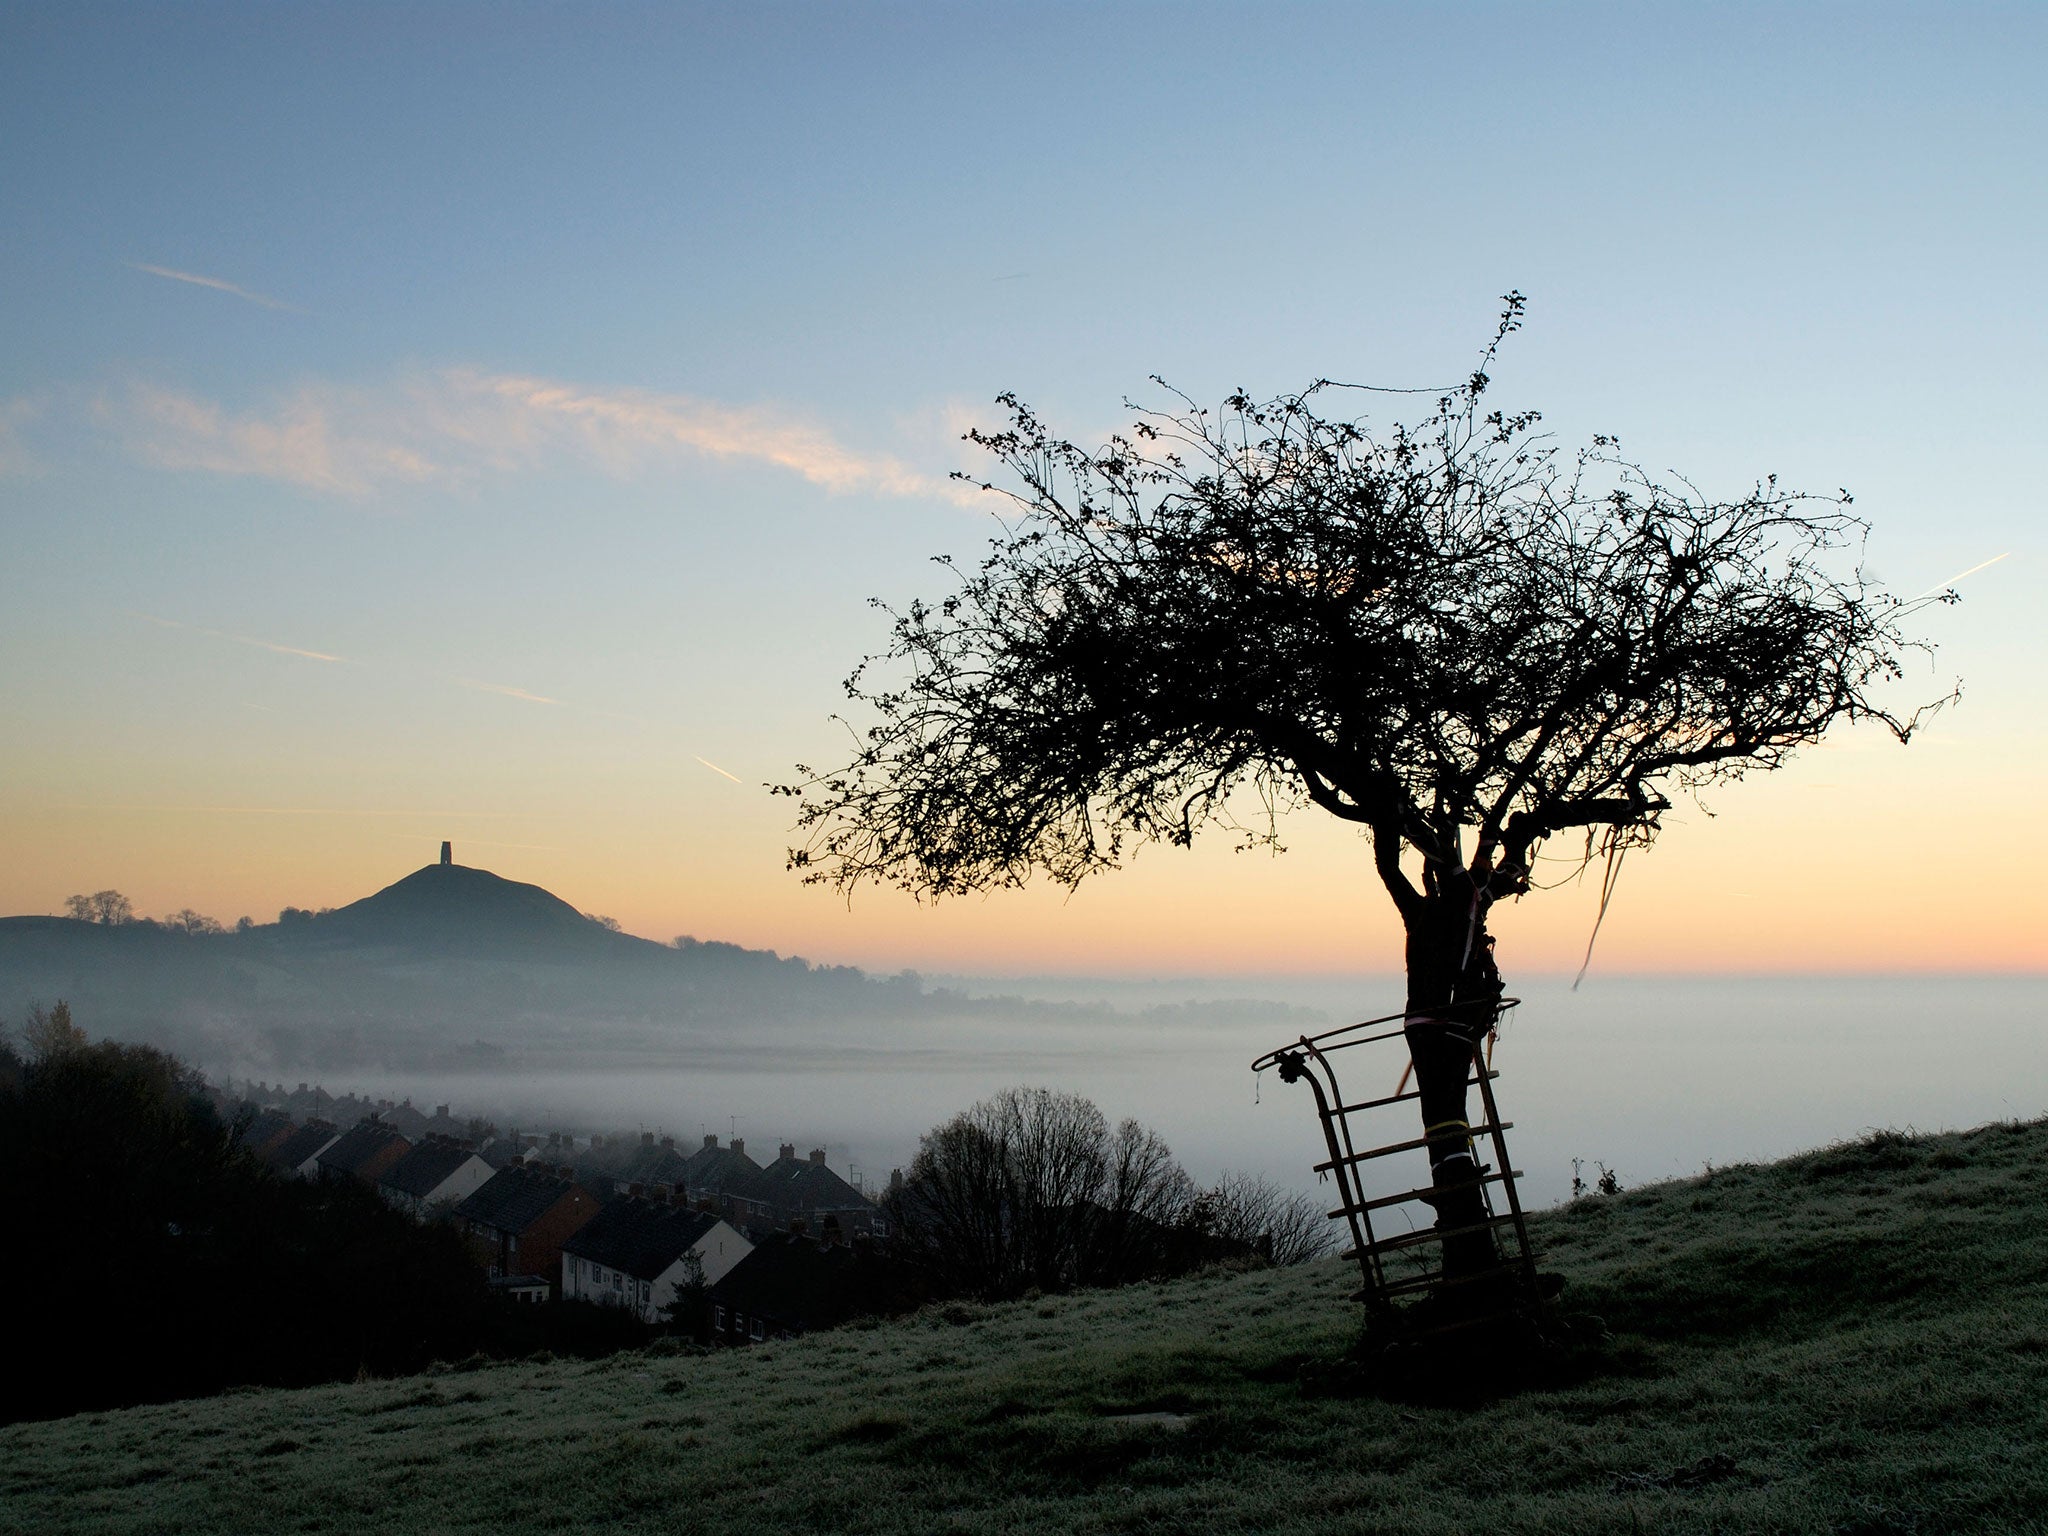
pixel 615 354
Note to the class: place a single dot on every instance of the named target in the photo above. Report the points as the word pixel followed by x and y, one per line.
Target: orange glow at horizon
pixel 1849 860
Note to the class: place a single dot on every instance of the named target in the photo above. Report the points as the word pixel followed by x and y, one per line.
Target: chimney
pixel 818 1156
pixel 895 1180
pixel 710 1142
pixel 788 1151
pixel 647 1138
pixel 302 1089
pixel 669 1142
pixel 447 854
pixel 739 1146
pixel 441 1112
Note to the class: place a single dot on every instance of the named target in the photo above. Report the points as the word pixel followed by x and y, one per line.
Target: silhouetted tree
pixel 49 1032
pixel 188 921
pixel 108 907
pixel 1280 1226
pixel 1453 635
pixel 1032 1187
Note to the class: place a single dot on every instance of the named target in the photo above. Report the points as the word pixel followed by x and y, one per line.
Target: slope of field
pixel 1852 1341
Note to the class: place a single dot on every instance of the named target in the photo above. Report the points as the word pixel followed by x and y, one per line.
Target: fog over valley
pixel 455 986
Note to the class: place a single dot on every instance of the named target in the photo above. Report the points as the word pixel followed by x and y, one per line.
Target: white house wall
pixel 461 1184
pixel 718 1250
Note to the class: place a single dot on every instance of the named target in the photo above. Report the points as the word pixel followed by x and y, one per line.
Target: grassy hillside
pixel 1853 1341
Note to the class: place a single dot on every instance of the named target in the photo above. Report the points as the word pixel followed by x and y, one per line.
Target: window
pixel 718 1318
pixel 759 1332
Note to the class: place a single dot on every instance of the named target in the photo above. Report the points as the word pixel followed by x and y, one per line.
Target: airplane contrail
pixel 1981 565
pixel 221 634
pixel 716 769
pixel 200 280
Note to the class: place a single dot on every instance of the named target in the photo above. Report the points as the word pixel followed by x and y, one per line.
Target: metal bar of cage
pixel 1309 1058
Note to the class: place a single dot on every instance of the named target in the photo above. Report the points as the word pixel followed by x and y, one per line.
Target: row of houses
pixel 766 1251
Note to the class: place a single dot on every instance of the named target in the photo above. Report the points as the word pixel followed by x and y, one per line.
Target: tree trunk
pixel 1453 996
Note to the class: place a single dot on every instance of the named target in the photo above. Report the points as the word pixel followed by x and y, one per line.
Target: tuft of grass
pixel 1851 1341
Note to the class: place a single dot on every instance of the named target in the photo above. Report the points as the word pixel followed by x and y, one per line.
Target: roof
pixel 358 1144
pixel 798 1184
pixel 640 1237
pixel 502 1152
pixel 407 1119
pixel 654 1165
pixel 514 1198
pixel 426 1167
pixel 719 1171
pixel 266 1128
pixel 301 1144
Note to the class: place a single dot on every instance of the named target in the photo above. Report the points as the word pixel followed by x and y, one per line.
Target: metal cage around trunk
pixel 1379 1195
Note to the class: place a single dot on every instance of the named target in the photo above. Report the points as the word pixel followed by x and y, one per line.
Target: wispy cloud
pixel 460 425
pixel 219 285
pixel 503 690
pixel 506 689
pixel 313 439
pixel 290 810
pixel 221 634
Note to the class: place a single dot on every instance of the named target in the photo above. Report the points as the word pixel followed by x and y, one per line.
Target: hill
pixel 454 909
pixel 415 974
pixel 1852 1342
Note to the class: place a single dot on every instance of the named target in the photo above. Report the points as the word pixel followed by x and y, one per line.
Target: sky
pixel 492 423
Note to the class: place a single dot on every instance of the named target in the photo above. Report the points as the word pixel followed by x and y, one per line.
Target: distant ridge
pixel 421 974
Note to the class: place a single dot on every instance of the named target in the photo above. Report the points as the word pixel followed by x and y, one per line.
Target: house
pixel 521 1288
pixel 635 1253
pixel 803 1195
pixel 722 1179
pixel 442 1123
pixel 613 1166
pixel 506 1151
pixel 790 1284
pixel 296 1155
pixel 406 1120
pixel 521 1216
pixel 266 1129
pixel 436 1173
pixel 309 1100
pixel 366 1151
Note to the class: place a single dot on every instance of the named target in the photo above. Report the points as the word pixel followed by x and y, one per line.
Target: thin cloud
pixel 262 645
pixel 461 425
pixel 716 769
pixel 292 810
pixel 320 439
pixel 504 689
pixel 219 285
